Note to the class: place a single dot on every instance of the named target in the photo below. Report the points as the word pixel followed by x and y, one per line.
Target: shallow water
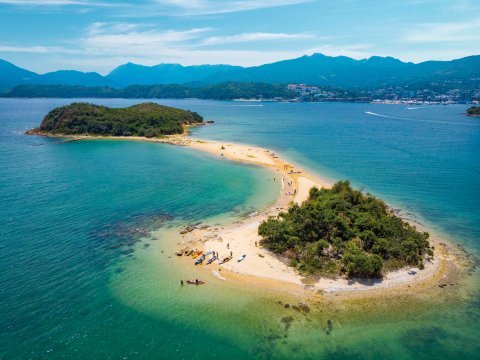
pixel 69 290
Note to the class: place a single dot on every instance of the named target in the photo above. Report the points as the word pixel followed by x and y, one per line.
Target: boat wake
pixel 371 113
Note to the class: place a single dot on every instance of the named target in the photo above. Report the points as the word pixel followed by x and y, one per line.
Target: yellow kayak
pixel 197 254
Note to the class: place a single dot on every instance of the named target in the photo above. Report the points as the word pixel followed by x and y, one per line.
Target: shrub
pixel 151 132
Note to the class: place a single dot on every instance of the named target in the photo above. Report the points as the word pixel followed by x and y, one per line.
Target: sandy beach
pixel 262 265
pixel 264 268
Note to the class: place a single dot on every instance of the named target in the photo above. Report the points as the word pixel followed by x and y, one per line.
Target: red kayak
pixel 193 282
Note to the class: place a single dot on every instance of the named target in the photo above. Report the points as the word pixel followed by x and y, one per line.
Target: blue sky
pixel 98 35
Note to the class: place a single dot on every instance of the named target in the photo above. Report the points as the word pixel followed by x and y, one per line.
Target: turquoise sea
pixel 70 289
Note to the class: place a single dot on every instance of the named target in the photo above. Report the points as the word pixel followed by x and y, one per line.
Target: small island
pixel 322 232
pixel 147 119
pixel 342 231
pixel 474 111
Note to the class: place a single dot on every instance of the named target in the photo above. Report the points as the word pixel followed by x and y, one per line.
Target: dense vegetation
pixel 474 111
pixel 146 119
pixel 344 231
pixel 224 91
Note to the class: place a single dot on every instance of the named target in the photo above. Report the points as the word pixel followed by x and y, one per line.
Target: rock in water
pixel 119 270
pixel 287 319
pixel 286 306
pixel 304 307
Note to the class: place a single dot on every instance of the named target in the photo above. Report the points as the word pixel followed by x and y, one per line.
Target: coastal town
pixel 430 95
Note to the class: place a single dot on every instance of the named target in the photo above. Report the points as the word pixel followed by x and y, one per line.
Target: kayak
pixel 226 259
pixel 241 258
pixel 211 260
pixel 193 282
pixel 208 253
pixel 197 254
pixel 200 260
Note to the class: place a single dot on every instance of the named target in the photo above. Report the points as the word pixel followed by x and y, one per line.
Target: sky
pixel 99 35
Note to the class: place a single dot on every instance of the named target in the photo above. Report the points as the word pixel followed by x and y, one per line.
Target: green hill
pixel 345 72
pixel 342 230
pixel 474 111
pixel 224 91
pixel 147 119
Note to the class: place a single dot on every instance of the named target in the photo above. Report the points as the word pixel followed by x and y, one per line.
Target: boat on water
pixel 197 254
pixel 200 260
pixel 211 260
pixel 242 257
pixel 195 282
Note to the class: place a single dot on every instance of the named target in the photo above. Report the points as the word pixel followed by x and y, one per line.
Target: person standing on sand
pixel 181 282
pixel 255 243
pixel 228 245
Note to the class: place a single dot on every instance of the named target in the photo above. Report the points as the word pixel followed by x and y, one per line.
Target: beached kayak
pixel 197 254
pixel 241 258
pixel 200 260
pixel 226 259
pixel 211 260
pixel 208 253
pixel 196 283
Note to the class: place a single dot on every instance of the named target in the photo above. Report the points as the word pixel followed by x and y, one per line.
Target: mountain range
pixel 317 69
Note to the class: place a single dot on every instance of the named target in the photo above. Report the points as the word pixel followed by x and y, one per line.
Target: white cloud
pixel 116 27
pixel 206 7
pixel 444 32
pixel 52 2
pixel 120 42
pixel 31 49
pixel 114 39
pixel 252 37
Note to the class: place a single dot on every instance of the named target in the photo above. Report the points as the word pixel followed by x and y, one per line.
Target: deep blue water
pixel 67 290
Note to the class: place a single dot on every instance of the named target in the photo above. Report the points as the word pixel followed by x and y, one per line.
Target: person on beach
pixel 228 245
pixel 181 282
pixel 255 243
pixel 196 281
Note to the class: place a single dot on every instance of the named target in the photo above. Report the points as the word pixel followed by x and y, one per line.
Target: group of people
pixel 218 256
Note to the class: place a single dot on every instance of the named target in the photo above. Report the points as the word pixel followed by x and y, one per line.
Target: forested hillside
pixel 224 91
pixel 146 119
pixel 344 231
